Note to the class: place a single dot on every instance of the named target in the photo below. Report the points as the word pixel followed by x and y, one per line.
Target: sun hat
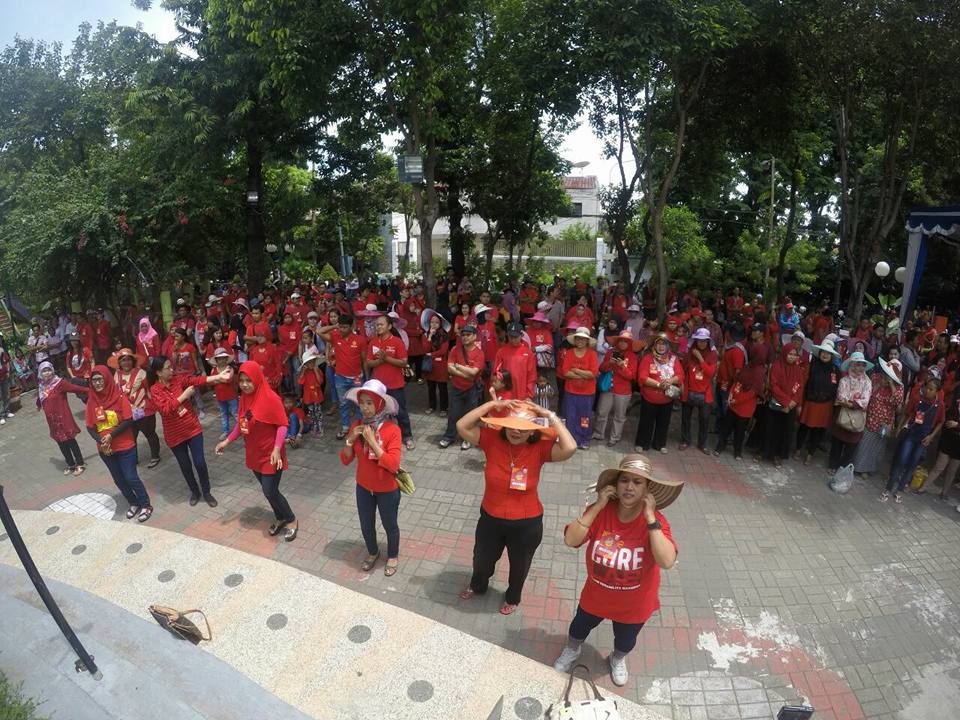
pixel 242 303
pixel 221 352
pixel 427 314
pixel 857 357
pixel 522 417
pixel 798 334
pixel 664 491
pixel 652 340
pixel 309 355
pixel 933 373
pixel 893 370
pixel 375 387
pixel 294 295
pixel 624 337
pixel 369 311
pixel 480 307
pixel 827 346
pixel 543 305
pixel 114 360
pixel 540 317
pixel 213 299
pixel 701 334
pixel 582 332
pixel 398 322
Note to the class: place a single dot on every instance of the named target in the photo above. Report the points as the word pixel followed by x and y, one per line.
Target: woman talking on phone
pixel 628 540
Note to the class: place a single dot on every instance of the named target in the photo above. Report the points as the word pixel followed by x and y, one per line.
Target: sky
pixel 58 20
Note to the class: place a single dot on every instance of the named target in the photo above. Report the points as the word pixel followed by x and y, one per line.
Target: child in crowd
pixel 311 383
pixel 226 393
pixel 298 421
pixel 26 377
pixel 501 388
pixel 544 393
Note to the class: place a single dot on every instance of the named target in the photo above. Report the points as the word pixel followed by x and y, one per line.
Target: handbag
pixel 175 621
pixel 404 481
pixel 597 708
pixel 852 420
pixel 606 381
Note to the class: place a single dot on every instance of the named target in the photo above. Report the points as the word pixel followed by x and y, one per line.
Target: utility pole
pixel 343 258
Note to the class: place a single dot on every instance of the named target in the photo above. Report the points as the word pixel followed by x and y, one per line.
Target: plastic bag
pixel 919 477
pixel 843 479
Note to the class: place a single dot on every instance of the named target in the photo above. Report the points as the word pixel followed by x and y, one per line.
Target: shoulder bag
pixel 852 420
pixel 598 708
pixel 175 621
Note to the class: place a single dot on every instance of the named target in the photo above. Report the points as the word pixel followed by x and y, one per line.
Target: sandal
pixel 410 444
pixel 683 446
pixel 68 471
pixel 132 512
pixel 80 470
pixel 428 411
pixel 466 594
pixel 371 560
pixel 898 497
pixel 884 496
pixel 508 609
pixel 342 434
pixel 153 462
pixel 276 527
pixel 291 534
pixel 390 570
pixel 145 514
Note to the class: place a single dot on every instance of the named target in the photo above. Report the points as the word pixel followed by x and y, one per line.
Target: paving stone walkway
pixel 783 590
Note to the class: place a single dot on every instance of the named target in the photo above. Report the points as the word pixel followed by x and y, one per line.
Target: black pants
pixel 841 453
pixel 183 452
pixel 433 389
pixel 686 415
pixel 271 491
pixel 780 430
pixel 521 538
pixel 731 422
pixel 416 362
pixel 148 426
pixel 654 424
pixel 624 634
pixel 810 437
pixel 71 453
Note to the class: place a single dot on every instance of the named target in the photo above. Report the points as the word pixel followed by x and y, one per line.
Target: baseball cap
pixel 472 329
pixel 515 329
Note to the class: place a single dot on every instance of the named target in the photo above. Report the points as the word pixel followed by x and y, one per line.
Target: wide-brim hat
pixel 702 334
pixel 480 307
pixel 522 417
pixel 370 311
pixel 582 332
pixel 854 358
pixel 398 322
pixel 626 337
pixel 539 316
pixel 652 340
pixel 376 388
pixel 826 346
pixel 113 361
pixel 664 492
pixel 309 355
pixel 427 314
pixel 242 303
pixel 892 370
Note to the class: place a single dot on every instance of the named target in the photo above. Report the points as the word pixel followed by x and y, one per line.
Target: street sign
pixel 410 169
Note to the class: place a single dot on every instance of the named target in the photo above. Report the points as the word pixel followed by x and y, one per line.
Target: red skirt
pixel 816 414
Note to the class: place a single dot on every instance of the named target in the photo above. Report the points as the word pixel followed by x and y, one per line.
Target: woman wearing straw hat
pixel 886 397
pixel 132 381
pixel 853 393
pixel 511 516
pixel 819 394
pixel 628 541
pixel 376 443
pixel 660 376
pixel 579 367
pixel 701 364
pixel 621 361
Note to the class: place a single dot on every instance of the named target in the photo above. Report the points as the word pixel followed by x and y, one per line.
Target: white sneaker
pixel 465 445
pixel 10 415
pixel 567 658
pixel 2 421
pixel 618 670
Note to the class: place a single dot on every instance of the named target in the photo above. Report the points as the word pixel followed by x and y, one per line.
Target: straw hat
pixel 582 332
pixel 857 357
pixel 114 360
pixel 659 336
pixel 625 338
pixel 374 387
pixel 828 347
pixel 427 314
pixel 664 491
pixel 893 370
pixel 522 417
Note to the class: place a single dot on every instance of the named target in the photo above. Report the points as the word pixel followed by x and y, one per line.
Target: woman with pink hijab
pixel 148 339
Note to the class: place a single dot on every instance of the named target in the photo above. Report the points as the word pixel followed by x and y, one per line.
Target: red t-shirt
pixel 178 418
pixel 471 358
pixel 258 444
pixel 521 363
pixel 109 419
pixel 570 361
pixel 103 335
pixel 182 359
pixel 623 580
pixel 373 474
pixel 511 475
pixel 487 340
pixel 622 376
pixel 312 387
pixel 288 337
pixel 347 353
pixel 390 375
pixel 224 391
pixel 648 368
pixel 743 403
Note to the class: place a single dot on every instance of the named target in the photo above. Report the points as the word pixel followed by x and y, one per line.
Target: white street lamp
pixel 882 269
pixel 900 275
pixel 271 248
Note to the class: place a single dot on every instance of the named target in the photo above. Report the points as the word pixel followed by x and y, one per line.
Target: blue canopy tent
pixel 924 224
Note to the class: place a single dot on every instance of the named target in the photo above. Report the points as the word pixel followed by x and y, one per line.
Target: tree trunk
pixel 458 236
pixel 788 239
pixel 428 208
pixel 256 229
pixel 661 267
pixel 488 244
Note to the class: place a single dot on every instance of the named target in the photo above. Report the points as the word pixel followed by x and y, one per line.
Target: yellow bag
pixel 919 478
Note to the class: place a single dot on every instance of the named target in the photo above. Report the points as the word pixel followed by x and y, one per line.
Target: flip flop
pixel 508 609
pixel 410 445
pixel 368 564
pixel 390 570
pixel 466 594
pixel 153 462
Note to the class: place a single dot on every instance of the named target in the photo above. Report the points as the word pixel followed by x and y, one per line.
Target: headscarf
pixel 45 387
pixel 263 404
pixel 753 376
pixel 110 398
pixel 852 386
pixel 381 406
pixel 146 337
pixel 789 375
pixel 822 382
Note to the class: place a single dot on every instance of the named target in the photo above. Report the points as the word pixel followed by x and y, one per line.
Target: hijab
pixel 110 398
pixel 146 337
pixel 753 376
pixel 45 387
pixel 381 414
pixel 789 374
pixel 821 385
pixel 263 404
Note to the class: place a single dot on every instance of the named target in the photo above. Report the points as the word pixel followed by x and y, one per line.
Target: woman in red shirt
pixel 148 339
pixel 52 399
pixel 511 516
pixel 621 361
pixel 436 343
pixel 749 386
pixel 628 541
pixel 263 423
pixel 579 367
pixel 172 393
pixel 132 380
pixel 220 338
pixel 660 376
pixel 109 421
pixel 787 379
pixel 79 359
pixel 701 364
pixel 378 459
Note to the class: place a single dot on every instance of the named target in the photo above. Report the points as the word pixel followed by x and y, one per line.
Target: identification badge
pixel 181 411
pixel 293 334
pixel 606 548
pixel 518 479
pixel 918 419
pixel 585 422
pixel 101 415
pixel 698 374
pixel 244 426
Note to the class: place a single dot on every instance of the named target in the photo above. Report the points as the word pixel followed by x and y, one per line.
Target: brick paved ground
pixel 783 589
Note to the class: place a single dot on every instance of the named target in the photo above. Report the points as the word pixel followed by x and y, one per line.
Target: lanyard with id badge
pixel 246 424
pixel 518 474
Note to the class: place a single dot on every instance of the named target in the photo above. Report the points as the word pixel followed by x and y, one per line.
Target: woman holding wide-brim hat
pixel 886 398
pixel 511 516
pixel 628 540
pixel 660 376
pixel 375 441
pixel 132 380
pixel 579 368
pixel 853 392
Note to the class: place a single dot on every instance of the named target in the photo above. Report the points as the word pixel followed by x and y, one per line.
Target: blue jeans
pixel 228 409
pixel 720 403
pixel 403 418
pixel 461 402
pixel 909 455
pixel 624 634
pixel 123 469
pixel 331 384
pixel 195 447
pixel 348 410
pixel 388 504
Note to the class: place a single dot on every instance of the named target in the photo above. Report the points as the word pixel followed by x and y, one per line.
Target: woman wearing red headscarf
pixel 109 420
pixel 787 379
pixel 748 387
pixel 263 423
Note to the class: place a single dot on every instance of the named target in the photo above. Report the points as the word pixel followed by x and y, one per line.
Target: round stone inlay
pixel 420 691
pixel 79 549
pixel 277 621
pixel 359 634
pixel 53 530
pixel 166 576
pixel 133 548
pixel 528 708
pixel 233 580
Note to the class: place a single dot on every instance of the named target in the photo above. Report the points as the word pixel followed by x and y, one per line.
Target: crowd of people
pixel 530 375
